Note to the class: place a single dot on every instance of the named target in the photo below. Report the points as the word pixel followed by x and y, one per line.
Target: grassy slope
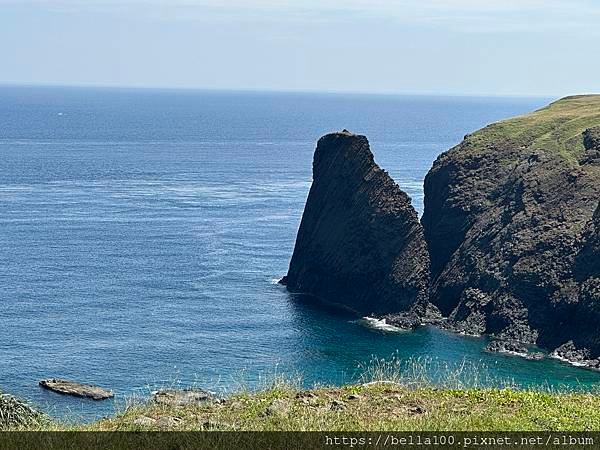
pixel 557 127
pixel 373 407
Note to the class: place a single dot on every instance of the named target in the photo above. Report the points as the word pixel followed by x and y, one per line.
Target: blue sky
pixel 499 47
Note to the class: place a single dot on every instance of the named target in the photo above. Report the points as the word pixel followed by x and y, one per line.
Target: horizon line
pixel 277 90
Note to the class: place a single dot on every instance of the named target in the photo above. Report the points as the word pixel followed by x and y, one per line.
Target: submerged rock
pixel 182 397
pixel 513 348
pixel 360 243
pixel 76 389
pixel 569 352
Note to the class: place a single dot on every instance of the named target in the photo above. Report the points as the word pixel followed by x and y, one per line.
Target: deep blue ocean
pixel 142 232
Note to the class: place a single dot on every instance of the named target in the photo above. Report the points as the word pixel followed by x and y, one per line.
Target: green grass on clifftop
pixel 556 128
pixel 372 407
pixel 392 395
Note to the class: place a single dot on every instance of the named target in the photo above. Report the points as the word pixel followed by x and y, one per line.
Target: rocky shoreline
pixel 514 349
pixel 570 354
pixel 508 245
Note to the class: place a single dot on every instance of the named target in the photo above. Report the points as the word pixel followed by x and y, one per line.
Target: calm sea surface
pixel 142 231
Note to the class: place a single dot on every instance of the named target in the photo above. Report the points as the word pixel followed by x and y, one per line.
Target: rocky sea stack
pixel 509 244
pixel 360 243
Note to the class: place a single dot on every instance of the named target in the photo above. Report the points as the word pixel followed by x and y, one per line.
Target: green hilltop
pixel 556 128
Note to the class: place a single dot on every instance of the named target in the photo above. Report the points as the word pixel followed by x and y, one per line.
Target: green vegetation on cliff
pixel 508 223
pixel 557 127
pixel 16 414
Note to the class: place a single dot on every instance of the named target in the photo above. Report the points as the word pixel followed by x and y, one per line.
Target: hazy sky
pixel 527 47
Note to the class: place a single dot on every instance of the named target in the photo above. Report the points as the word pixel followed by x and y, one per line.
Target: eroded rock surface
pixel 360 243
pixel 76 389
pixel 511 226
pixel 509 220
pixel 513 348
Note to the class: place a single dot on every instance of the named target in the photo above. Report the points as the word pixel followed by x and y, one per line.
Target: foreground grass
pixel 392 395
pixel 16 414
pixel 371 407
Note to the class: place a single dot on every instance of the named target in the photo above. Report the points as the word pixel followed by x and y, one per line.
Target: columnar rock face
pixel 510 244
pixel 585 337
pixel 360 243
pixel 513 239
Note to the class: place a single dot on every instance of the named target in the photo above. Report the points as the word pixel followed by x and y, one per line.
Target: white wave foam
pixel 568 361
pixel 378 324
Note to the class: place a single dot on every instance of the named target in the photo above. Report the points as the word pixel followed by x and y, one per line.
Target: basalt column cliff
pixel 509 223
pixel 360 243
pixel 510 244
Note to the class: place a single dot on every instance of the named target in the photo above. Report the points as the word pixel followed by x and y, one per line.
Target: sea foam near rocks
pixel 378 324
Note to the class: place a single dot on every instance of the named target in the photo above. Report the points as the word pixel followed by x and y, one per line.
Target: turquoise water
pixel 142 232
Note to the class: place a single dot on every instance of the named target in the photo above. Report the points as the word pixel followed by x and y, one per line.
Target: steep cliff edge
pixel 583 345
pixel 509 221
pixel 360 243
pixel 509 244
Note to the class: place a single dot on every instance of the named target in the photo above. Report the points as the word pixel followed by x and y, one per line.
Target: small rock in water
pixel 184 397
pixel 513 348
pixel 76 389
pixel 578 356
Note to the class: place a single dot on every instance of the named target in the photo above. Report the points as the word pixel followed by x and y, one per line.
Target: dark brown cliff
pixel 583 344
pixel 360 243
pixel 508 219
pixel 510 238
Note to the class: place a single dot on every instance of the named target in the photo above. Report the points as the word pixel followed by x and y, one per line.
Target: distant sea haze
pixel 142 232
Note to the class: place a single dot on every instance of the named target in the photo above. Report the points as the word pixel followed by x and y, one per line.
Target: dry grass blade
pixel 16 414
